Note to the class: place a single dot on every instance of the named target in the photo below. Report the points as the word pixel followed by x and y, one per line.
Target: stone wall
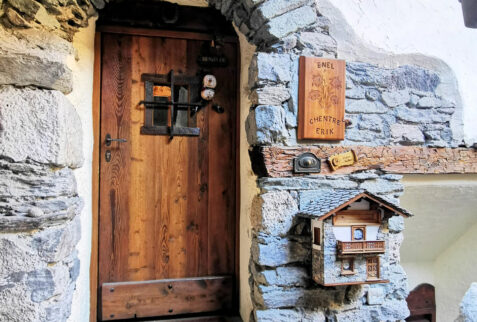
pixel 40 144
pixel 281 264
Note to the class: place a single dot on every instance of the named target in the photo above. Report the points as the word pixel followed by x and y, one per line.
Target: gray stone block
pixel 429 102
pixel 273 213
pixel 286 315
pixel 286 24
pixel 407 134
pixel 271 68
pixel 371 122
pixel 468 305
pixel 373 94
pixel 273 251
pixel 365 137
pixel 420 116
pixel 266 125
pixel 365 107
pixel 57 243
pixel 381 186
pixel 291 120
pixel 314 183
pixel 366 175
pixel 28 7
pixel 395 98
pixel 286 276
pixel 375 295
pixel 24 187
pixel 394 310
pixel 392 177
pixel 39 125
pixel 318 43
pixel 37 58
pixel 40 284
pixel 270 95
pixel 355 93
pixel 273 8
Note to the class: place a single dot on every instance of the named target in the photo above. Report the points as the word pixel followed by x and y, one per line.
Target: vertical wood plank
pixel 143 159
pixel 196 243
pixel 173 170
pixel 221 213
pixel 114 190
pixel 93 268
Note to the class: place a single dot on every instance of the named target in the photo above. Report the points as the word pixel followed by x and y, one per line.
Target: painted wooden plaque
pixel 321 99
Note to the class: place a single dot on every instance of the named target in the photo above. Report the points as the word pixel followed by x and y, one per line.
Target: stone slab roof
pixel 324 203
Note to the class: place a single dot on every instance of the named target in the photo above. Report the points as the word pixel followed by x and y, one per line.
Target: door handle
pixel 109 140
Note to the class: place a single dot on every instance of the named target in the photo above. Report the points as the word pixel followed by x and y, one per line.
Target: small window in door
pixel 161 117
pixel 171 103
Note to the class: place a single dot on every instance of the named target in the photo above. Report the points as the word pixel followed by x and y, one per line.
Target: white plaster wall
pixel 439 241
pixel 81 97
pixel 419 273
pixel 248 184
pixel 433 28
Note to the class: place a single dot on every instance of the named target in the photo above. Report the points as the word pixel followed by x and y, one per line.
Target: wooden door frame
pixel 96 112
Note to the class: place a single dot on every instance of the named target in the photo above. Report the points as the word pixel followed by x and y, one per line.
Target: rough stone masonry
pixel 40 144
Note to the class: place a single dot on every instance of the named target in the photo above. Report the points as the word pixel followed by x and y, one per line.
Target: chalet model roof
pixel 324 204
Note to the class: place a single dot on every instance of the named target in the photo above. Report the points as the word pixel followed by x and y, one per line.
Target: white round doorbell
pixel 207 94
pixel 209 81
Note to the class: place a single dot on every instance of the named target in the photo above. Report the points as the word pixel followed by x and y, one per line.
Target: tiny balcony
pixel 361 247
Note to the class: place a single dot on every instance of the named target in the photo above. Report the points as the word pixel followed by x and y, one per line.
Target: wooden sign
pixel 321 99
pixel 343 159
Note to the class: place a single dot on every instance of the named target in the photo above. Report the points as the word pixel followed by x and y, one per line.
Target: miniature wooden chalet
pixel 350 235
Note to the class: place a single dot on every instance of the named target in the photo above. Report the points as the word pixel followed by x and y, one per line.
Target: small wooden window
pixel 347 266
pixel 316 236
pixel 358 233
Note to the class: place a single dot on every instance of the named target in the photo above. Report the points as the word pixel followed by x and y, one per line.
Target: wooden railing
pixel 361 247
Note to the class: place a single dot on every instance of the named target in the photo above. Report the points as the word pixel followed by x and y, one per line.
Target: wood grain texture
pixel 169 205
pixel 115 181
pixel 166 297
pixel 278 161
pixel 321 99
pixel 222 180
pixel 356 217
pixel 163 33
pixel 93 268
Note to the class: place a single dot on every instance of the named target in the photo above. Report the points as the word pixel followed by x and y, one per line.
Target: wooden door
pixel 167 207
pixel 422 304
pixel 372 268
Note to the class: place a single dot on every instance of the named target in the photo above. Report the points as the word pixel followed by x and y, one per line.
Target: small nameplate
pixel 343 159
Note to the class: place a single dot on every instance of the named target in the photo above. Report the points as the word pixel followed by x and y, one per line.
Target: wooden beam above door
pixel 277 161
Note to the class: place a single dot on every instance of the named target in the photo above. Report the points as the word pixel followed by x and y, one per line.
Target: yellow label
pixel 343 159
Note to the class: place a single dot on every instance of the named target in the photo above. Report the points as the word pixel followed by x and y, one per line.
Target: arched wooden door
pixel 167 223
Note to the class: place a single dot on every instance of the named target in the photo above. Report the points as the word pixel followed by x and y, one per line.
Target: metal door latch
pixel 109 140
